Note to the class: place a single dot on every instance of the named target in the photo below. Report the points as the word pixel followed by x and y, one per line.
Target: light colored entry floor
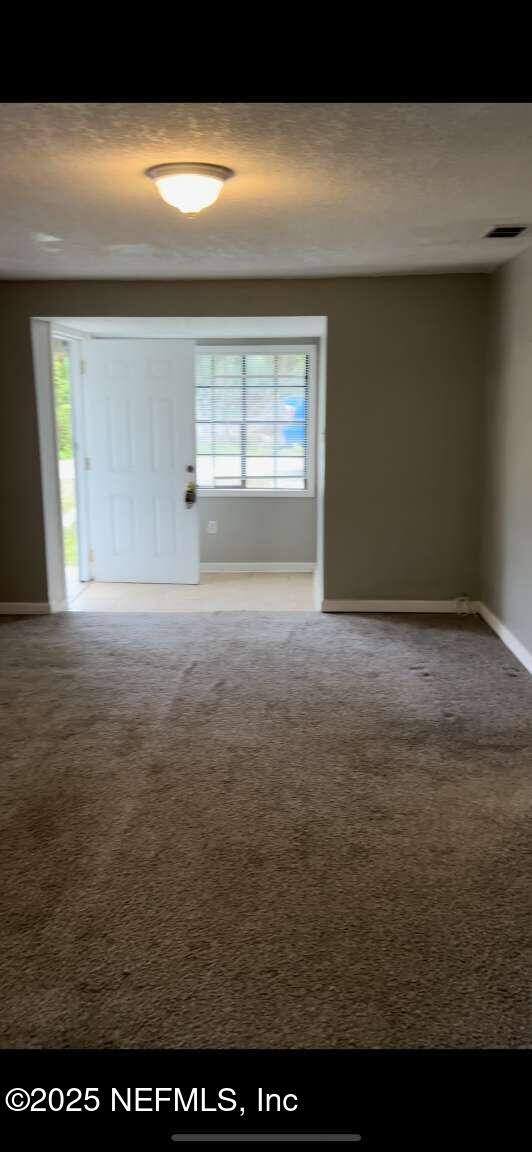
pixel 217 592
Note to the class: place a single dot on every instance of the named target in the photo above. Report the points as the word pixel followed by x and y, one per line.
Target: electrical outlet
pixel 212 527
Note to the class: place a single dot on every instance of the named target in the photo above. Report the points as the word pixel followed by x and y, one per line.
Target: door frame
pixel 42 333
pixel 233 328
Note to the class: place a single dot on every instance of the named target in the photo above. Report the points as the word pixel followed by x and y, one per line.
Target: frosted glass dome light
pixel 189 187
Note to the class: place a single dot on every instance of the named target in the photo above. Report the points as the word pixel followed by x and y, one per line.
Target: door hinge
pixel 91 555
pixel 82 367
pixel 88 464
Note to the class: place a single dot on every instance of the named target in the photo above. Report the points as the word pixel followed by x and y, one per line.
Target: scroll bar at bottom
pixel 267 1137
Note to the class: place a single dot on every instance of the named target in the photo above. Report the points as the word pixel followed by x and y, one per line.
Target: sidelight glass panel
pixel 62 381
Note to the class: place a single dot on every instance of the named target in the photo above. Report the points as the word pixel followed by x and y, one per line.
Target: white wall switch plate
pixel 212 527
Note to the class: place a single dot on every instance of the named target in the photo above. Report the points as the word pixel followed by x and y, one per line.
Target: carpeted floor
pixel 286 830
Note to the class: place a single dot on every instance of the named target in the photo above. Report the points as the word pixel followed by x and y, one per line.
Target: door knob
pixel 190 493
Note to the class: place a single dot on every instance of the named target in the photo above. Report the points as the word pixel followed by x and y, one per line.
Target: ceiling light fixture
pixel 46 238
pixel 189 187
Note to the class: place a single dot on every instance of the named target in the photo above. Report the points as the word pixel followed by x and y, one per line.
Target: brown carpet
pixel 284 830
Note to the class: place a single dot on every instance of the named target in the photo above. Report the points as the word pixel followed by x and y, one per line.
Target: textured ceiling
pixel 321 189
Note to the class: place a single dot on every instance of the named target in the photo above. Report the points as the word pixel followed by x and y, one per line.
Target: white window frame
pixel 270 349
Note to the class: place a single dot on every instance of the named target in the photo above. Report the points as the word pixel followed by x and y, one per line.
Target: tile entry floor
pixel 217 592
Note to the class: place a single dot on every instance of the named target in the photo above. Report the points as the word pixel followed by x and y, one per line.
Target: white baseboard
pixel 25 608
pixel 456 606
pixel 516 648
pixel 287 566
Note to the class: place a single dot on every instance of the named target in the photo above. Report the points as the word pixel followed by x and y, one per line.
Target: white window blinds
pixel 252 420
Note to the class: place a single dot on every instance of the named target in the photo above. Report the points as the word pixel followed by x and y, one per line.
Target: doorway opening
pixel 62 369
pixel 189 462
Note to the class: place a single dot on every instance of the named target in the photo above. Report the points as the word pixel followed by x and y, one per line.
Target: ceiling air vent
pixel 506 232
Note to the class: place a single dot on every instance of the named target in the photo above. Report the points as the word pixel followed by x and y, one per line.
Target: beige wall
pixel 507 547
pixel 258 529
pixel 405 361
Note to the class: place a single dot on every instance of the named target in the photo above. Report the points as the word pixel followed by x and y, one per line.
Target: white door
pixel 140 441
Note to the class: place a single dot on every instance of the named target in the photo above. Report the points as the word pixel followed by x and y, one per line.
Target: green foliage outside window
pixel 70 545
pixel 63 406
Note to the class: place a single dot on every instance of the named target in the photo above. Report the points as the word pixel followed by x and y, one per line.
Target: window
pixel 254 419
